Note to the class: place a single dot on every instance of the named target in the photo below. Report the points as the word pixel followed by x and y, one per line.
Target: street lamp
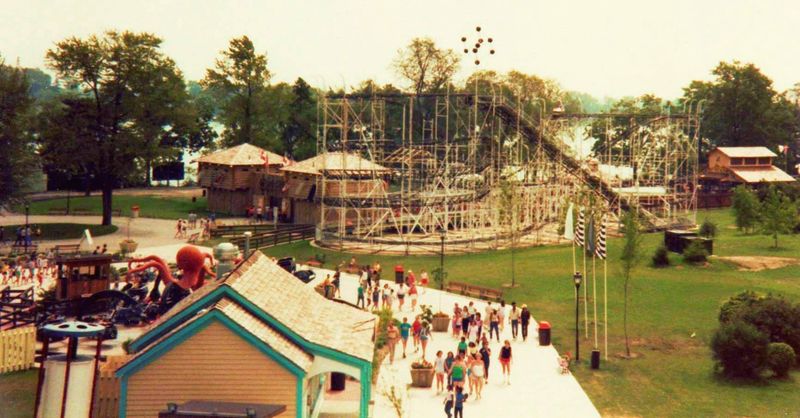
pixel 26 235
pixel 577 278
pixel 247 235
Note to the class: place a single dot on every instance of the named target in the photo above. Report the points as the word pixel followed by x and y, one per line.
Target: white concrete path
pixel 537 389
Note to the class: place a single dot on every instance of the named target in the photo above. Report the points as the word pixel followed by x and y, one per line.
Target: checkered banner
pixel 579 229
pixel 600 248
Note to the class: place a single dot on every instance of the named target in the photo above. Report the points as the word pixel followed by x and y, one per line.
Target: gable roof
pixel 258 328
pixel 244 154
pixel 292 304
pixel 740 152
pixel 335 162
pixel 769 174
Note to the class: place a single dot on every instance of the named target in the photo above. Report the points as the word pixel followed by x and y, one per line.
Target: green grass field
pixel 17 394
pixel 57 231
pixel 150 206
pixel 673 375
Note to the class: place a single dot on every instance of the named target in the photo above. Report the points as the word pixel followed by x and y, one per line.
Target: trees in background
pixel 239 82
pixel 745 207
pixel 742 108
pixel 118 77
pixel 778 214
pixel 299 135
pixel 17 151
pixel 426 67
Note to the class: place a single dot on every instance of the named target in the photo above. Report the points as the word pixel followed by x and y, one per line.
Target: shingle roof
pixel 335 161
pixel 769 174
pixel 255 326
pixel 244 154
pixel 738 152
pixel 294 304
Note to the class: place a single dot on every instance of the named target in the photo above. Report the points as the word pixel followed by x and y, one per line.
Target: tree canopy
pixel 426 67
pixel 17 153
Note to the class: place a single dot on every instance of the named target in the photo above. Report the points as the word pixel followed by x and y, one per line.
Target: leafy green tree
pixel 746 207
pixel 115 74
pixel 641 110
pixel 240 83
pixel 629 260
pixel 17 153
pixel 742 108
pixel 299 134
pixel 426 67
pixel 778 214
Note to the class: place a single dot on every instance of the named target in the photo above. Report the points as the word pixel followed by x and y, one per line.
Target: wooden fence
pixel 17 349
pixel 281 236
pixel 106 393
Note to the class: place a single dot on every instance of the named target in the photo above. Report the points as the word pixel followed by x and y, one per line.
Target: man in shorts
pixel 405 332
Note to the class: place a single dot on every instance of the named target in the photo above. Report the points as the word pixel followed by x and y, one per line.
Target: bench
pixel 475 291
pixel 87 212
pixel 19 249
pixel 67 249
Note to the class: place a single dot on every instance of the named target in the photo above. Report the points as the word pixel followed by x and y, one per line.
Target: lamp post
pixel 577 278
pixel 247 236
pixel 26 234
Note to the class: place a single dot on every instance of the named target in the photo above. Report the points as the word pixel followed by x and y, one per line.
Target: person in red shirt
pixel 416 327
pixel 412 294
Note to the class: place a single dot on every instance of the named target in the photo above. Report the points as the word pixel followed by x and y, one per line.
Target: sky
pixel 608 48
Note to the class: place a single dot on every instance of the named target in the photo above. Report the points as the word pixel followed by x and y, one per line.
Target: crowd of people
pixel 38 270
pixel 182 226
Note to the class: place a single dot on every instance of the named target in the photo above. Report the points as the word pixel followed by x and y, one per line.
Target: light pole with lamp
pixel 577 278
pixel 26 234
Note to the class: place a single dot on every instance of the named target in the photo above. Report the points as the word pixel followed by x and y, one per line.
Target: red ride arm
pixel 163 271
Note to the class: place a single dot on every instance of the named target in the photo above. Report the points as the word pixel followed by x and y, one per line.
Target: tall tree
pixel 778 214
pixel 742 108
pixel 629 260
pixel 299 135
pixel 427 68
pixel 115 73
pixel 17 153
pixel 240 81
pixel 745 206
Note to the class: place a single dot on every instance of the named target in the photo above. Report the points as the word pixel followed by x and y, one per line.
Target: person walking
pixel 360 295
pixel 458 406
pixel 449 401
pixel 501 315
pixel 392 335
pixel 405 330
pixel 424 279
pixel 476 375
pixel 401 297
pixel 416 328
pixel 448 365
pixel 459 371
pixel 513 316
pixel 465 320
pixel 486 354
pixel 424 336
pixel 413 294
pixel 462 346
pixel 494 325
pixel 439 369
pixel 525 320
pixel 505 361
pixel 456 321
pixel 385 295
pixel 337 283
pixel 376 295
pixel 326 286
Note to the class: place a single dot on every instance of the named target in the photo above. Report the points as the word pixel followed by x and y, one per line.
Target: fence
pixel 106 393
pixel 281 236
pixel 17 349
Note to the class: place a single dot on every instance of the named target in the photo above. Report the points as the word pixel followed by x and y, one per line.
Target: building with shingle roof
pixel 239 177
pixel 257 335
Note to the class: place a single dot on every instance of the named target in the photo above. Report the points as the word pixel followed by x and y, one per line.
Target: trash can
pixel 595 359
pixel 337 381
pixel 398 274
pixel 544 333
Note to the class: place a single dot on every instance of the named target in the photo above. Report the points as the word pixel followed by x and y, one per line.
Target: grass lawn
pixel 673 376
pixel 150 206
pixel 57 231
pixel 18 393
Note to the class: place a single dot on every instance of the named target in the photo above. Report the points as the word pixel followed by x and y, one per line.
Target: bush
pixel 708 229
pixel 731 309
pixel 661 257
pixel 695 253
pixel 740 350
pixel 780 358
pixel 776 318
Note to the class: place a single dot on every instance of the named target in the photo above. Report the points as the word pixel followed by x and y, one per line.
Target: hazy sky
pixel 603 47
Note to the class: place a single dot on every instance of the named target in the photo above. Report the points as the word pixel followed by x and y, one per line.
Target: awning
pixel 297 189
pixel 769 174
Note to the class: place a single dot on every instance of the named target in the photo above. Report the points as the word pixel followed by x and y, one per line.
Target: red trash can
pixel 544 333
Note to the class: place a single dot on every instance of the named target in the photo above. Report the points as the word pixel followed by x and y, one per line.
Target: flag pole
pixel 585 293
pixel 594 296
pixel 605 304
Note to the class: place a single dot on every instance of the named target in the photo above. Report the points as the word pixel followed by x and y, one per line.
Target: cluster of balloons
pixel 477 45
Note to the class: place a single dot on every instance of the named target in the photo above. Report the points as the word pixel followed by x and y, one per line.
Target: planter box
pixel 441 323
pixel 128 247
pixel 422 378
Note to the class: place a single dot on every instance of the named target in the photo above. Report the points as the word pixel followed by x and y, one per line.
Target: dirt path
pixel 750 263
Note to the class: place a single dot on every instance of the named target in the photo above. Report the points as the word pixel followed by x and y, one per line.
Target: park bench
pixel 87 212
pixel 57 211
pixel 61 249
pixel 475 291
pixel 19 249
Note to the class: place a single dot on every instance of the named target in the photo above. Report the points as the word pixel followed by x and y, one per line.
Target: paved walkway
pixel 537 389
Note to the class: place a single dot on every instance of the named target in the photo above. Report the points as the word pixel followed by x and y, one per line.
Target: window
pixel 736 161
pixel 764 161
pixel 750 161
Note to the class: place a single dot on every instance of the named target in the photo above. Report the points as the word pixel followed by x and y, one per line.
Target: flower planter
pixel 441 323
pixel 422 378
pixel 128 246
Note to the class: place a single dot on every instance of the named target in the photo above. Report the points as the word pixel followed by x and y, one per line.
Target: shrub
pixel 708 229
pixel 695 253
pixel 661 257
pixel 731 309
pixel 745 207
pixel 780 358
pixel 740 349
pixel 776 318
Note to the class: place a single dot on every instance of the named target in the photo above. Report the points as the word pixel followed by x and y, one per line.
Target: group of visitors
pixel 182 227
pixel 257 214
pixel 24 235
pixel 371 295
pixel 37 270
pixel 469 324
